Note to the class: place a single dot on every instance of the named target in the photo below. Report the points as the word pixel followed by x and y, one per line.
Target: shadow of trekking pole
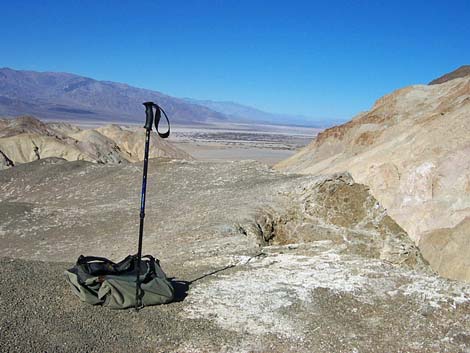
pixel 182 287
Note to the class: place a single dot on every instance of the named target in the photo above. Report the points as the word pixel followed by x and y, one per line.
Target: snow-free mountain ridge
pixel 65 96
pixel 244 113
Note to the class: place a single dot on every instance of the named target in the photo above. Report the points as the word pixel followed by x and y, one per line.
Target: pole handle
pixel 151 118
pixel 148 115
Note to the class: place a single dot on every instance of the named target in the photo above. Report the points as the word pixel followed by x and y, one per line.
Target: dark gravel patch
pixel 39 313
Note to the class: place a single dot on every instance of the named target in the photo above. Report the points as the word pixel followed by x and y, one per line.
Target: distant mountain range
pixel 243 113
pixel 65 96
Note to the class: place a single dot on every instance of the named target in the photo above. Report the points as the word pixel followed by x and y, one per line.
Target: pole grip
pixel 149 115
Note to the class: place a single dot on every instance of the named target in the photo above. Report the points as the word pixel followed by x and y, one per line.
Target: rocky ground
pixel 262 262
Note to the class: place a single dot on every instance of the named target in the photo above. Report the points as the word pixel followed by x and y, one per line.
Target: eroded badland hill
pixel 413 150
pixel 27 139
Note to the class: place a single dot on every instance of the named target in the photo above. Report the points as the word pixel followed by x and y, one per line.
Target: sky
pixel 322 59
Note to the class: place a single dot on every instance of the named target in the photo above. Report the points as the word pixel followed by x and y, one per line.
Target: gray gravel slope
pixel 335 273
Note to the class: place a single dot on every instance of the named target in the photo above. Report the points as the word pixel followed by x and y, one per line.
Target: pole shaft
pixel 142 216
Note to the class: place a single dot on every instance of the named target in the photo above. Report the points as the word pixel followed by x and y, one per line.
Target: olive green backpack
pixel 97 280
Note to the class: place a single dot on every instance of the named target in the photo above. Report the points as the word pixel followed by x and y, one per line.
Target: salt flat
pixel 264 143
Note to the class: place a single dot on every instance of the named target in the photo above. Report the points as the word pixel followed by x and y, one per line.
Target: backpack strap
pixel 151 267
pixel 94 266
pixel 127 264
pixel 87 259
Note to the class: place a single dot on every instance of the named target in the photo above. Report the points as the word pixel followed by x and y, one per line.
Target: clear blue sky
pixel 327 59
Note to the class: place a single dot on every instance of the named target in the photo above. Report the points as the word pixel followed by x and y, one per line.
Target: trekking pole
pixel 150 119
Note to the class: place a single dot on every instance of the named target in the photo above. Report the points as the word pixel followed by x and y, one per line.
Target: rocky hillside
pixel 26 139
pixel 413 150
pixel 462 71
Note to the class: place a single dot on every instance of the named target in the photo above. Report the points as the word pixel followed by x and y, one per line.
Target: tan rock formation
pixel 26 139
pixel 5 162
pixel 99 147
pixel 462 71
pixel 413 150
pixel 446 250
pixel 26 125
pixel 337 210
pixel 64 128
pixel 25 148
pixel 132 142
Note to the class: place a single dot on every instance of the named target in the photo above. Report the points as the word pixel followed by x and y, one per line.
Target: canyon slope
pixel 413 150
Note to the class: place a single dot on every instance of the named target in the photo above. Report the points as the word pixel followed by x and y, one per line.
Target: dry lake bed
pixel 268 144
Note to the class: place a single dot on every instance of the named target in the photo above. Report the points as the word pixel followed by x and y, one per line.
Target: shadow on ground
pixel 181 287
